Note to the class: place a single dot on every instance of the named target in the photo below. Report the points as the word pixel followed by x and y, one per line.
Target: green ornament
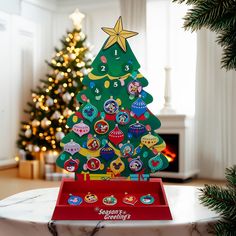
pixel 89 112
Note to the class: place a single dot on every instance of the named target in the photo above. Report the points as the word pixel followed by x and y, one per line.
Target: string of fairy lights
pixel 55 100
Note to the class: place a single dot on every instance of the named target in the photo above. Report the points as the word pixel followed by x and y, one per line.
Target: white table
pixel 29 213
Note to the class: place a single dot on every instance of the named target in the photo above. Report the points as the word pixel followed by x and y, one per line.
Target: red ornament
pixel 71 165
pixel 116 136
pixel 103 59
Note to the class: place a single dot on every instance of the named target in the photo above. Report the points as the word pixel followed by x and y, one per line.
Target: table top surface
pixel 38 206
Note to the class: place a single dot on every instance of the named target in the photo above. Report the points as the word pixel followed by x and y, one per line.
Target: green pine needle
pixel 218 16
pixel 222 201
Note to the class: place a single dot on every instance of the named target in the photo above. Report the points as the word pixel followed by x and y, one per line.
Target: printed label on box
pixel 115 214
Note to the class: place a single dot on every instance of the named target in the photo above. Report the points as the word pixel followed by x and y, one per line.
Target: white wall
pixel 29 31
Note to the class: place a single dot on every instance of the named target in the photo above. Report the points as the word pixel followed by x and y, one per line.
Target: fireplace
pixel 177 132
pixel 172 151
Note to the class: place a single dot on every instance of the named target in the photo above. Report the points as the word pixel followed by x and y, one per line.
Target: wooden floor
pixel 10 183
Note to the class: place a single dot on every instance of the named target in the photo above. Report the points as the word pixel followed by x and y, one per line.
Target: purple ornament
pixel 72 147
pixel 137 129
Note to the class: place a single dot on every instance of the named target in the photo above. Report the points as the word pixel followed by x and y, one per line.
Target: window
pixel 168 44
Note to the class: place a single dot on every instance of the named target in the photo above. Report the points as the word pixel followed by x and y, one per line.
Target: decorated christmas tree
pixel 54 101
pixel 113 132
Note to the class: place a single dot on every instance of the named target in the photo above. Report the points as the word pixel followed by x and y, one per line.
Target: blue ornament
pixel 107 152
pixel 84 145
pixel 74 200
pixel 89 112
pixel 137 129
pixel 102 114
pixel 91 84
pixel 134 74
pixel 62 157
pixel 139 107
pixel 145 154
pixel 104 141
pixel 127 150
pixel 147 114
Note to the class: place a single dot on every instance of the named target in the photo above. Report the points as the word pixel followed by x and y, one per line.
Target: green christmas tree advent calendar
pixel 113 133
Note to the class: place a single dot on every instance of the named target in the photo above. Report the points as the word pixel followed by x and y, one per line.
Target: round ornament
pixel 91 84
pixel 122 117
pixel 147 199
pixel 89 112
pixel 134 88
pixel 137 129
pixel 93 164
pixel 45 123
pixel 35 123
pixel 71 165
pixel 117 166
pixel 136 164
pixel 66 97
pixel 28 133
pixel 139 107
pixel 109 200
pixel 127 150
pixel 67 112
pixel 84 98
pixel 116 136
pixel 149 140
pixel 59 135
pixel 90 198
pixel 101 127
pixel 107 152
pixel 75 119
pixel 72 147
pixel 74 200
pixel 56 115
pixel 111 106
pixel 93 143
pixel 49 102
pixel 129 199
pixel 81 128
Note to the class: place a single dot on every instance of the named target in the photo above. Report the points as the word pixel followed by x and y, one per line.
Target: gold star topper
pixel 77 18
pixel 117 34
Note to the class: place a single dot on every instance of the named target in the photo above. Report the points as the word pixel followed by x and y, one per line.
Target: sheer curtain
pixel 133 13
pixel 215 109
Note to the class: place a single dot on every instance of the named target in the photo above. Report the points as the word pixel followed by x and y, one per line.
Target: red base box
pixel 159 210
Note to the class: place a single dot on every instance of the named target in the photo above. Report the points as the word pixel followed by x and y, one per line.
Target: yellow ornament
pixel 75 119
pixel 117 166
pixel 107 84
pixel 117 34
pixel 149 140
pixel 118 101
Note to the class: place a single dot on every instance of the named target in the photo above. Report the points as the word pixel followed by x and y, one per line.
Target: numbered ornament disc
pixel 81 128
pixel 127 150
pixel 93 144
pixel 135 88
pixel 93 164
pixel 122 117
pixel 137 129
pixel 116 136
pixel 71 165
pixel 117 166
pixel 89 112
pixel 139 107
pixel 136 165
pixel 109 200
pixel 101 127
pixel 74 200
pixel 129 199
pixel 72 147
pixel 90 198
pixel 107 152
pixel 149 140
pixel 111 106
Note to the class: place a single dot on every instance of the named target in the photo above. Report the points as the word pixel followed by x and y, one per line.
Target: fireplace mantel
pixel 183 126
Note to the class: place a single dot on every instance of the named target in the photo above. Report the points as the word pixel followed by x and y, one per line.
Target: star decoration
pixel 77 18
pixel 117 34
